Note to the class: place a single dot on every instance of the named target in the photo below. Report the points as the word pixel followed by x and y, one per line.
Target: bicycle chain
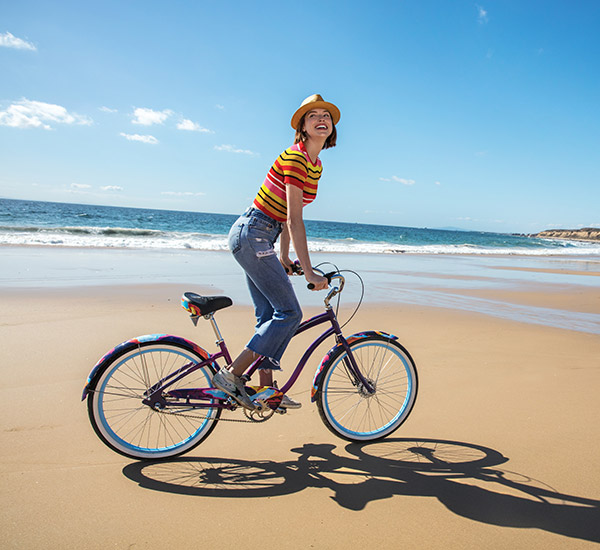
pixel 195 417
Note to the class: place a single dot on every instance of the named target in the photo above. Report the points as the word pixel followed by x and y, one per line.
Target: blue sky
pixel 483 116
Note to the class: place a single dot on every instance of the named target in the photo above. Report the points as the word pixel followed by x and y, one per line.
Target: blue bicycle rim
pixel 393 421
pixel 115 437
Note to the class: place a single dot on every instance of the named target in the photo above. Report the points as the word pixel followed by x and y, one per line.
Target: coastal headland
pixel 584 234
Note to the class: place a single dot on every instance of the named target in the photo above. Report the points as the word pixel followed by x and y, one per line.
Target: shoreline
pixel 552 291
pixel 485 252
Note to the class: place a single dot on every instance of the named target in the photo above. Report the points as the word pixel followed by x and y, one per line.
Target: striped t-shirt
pixel 292 167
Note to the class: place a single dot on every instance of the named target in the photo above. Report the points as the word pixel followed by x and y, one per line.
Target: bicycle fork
pixel 354 373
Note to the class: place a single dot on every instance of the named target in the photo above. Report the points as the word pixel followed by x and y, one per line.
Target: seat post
pixel 211 317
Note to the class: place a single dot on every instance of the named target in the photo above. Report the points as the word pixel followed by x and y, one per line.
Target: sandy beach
pixel 500 451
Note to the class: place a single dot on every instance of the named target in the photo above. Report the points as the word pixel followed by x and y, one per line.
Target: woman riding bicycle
pixel 291 184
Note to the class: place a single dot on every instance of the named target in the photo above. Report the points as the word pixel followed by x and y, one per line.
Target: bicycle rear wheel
pixel 135 430
pixel 345 406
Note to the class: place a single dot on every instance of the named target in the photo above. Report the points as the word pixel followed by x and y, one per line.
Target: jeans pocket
pixel 260 224
pixel 261 242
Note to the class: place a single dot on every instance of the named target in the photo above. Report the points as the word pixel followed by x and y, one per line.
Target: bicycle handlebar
pixel 296 269
pixel 328 276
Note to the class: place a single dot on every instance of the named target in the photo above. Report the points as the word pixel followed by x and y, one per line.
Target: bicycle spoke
pixel 133 428
pixel 355 413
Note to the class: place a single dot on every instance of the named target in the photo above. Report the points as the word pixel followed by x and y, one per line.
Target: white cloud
pixel 37 114
pixel 396 179
pixel 438 183
pixel 182 194
pixel 8 40
pixel 111 188
pixel 137 137
pixel 482 15
pixel 108 110
pixel 232 149
pixel 191 126
pixel 80 186
pixel 220 107
pixel 147 117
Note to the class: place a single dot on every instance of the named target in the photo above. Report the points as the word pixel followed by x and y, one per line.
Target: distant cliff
pixel 585 234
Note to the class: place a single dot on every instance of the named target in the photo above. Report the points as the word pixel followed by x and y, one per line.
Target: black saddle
pixel 204 305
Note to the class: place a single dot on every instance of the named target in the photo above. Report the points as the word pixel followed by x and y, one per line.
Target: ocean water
pixel 51 224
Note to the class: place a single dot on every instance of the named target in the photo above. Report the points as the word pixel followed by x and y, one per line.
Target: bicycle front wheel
pixel 353 413
pixel 135 430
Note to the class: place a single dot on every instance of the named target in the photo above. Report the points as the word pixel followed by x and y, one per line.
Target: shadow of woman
pixel 462 476
pixel 477 489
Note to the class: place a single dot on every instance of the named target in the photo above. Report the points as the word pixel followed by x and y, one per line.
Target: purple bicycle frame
pixel 328 315
pixel 202 393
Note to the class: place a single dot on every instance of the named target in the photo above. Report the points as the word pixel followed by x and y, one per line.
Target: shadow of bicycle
pixel 464 477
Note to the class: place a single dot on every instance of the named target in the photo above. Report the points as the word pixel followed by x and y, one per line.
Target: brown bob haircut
pixel 301 135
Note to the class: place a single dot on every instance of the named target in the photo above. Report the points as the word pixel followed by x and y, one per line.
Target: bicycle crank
pixel 261 414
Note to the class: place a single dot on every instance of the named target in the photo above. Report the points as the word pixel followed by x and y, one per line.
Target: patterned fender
pixel 331 353
pixel 133 344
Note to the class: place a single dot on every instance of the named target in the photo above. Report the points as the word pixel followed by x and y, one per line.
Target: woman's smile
pixel 319 122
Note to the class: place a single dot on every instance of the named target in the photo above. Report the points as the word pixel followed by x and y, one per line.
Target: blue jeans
pixel 277 310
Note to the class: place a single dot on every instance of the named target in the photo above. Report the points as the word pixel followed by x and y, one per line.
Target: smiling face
pixel 318 124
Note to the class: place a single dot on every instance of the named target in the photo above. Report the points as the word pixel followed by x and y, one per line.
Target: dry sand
pixel 501 450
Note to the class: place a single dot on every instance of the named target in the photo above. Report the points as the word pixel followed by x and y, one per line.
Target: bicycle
pixel 145 395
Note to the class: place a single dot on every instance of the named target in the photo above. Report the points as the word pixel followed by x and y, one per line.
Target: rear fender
pixel 134 343
pixel 332 353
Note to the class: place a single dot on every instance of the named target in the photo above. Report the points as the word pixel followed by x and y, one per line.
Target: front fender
pixel 333 352
pixel 133 344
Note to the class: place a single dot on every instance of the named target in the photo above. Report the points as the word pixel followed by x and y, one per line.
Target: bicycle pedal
pixel 281 410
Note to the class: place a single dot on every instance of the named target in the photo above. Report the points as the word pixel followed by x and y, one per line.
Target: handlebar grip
pixel 328 276
pixel 294 268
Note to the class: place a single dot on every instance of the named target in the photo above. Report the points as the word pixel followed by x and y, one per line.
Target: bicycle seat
pixel 203 305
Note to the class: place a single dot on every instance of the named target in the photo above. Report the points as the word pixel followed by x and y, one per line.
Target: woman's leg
pixel 264 313
pixel 271 283
pixel 277 309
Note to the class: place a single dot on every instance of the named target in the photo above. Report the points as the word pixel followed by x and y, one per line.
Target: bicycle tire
pixel 348 410
pixel 135 430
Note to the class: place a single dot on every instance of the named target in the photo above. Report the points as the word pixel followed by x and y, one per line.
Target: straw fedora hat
pixel 315 102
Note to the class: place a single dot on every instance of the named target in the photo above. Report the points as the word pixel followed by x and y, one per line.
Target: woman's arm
pixel 297 234
pixel 284 247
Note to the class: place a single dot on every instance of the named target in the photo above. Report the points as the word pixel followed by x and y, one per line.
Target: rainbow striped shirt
pixel 292 167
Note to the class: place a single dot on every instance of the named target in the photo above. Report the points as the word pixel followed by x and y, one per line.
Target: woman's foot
pixel 233 385
pixel 288 403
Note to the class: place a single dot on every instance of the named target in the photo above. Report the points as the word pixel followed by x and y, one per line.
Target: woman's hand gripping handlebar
pixel 327 276
pixel 335 288
pixel 317 280
pixel 334 275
